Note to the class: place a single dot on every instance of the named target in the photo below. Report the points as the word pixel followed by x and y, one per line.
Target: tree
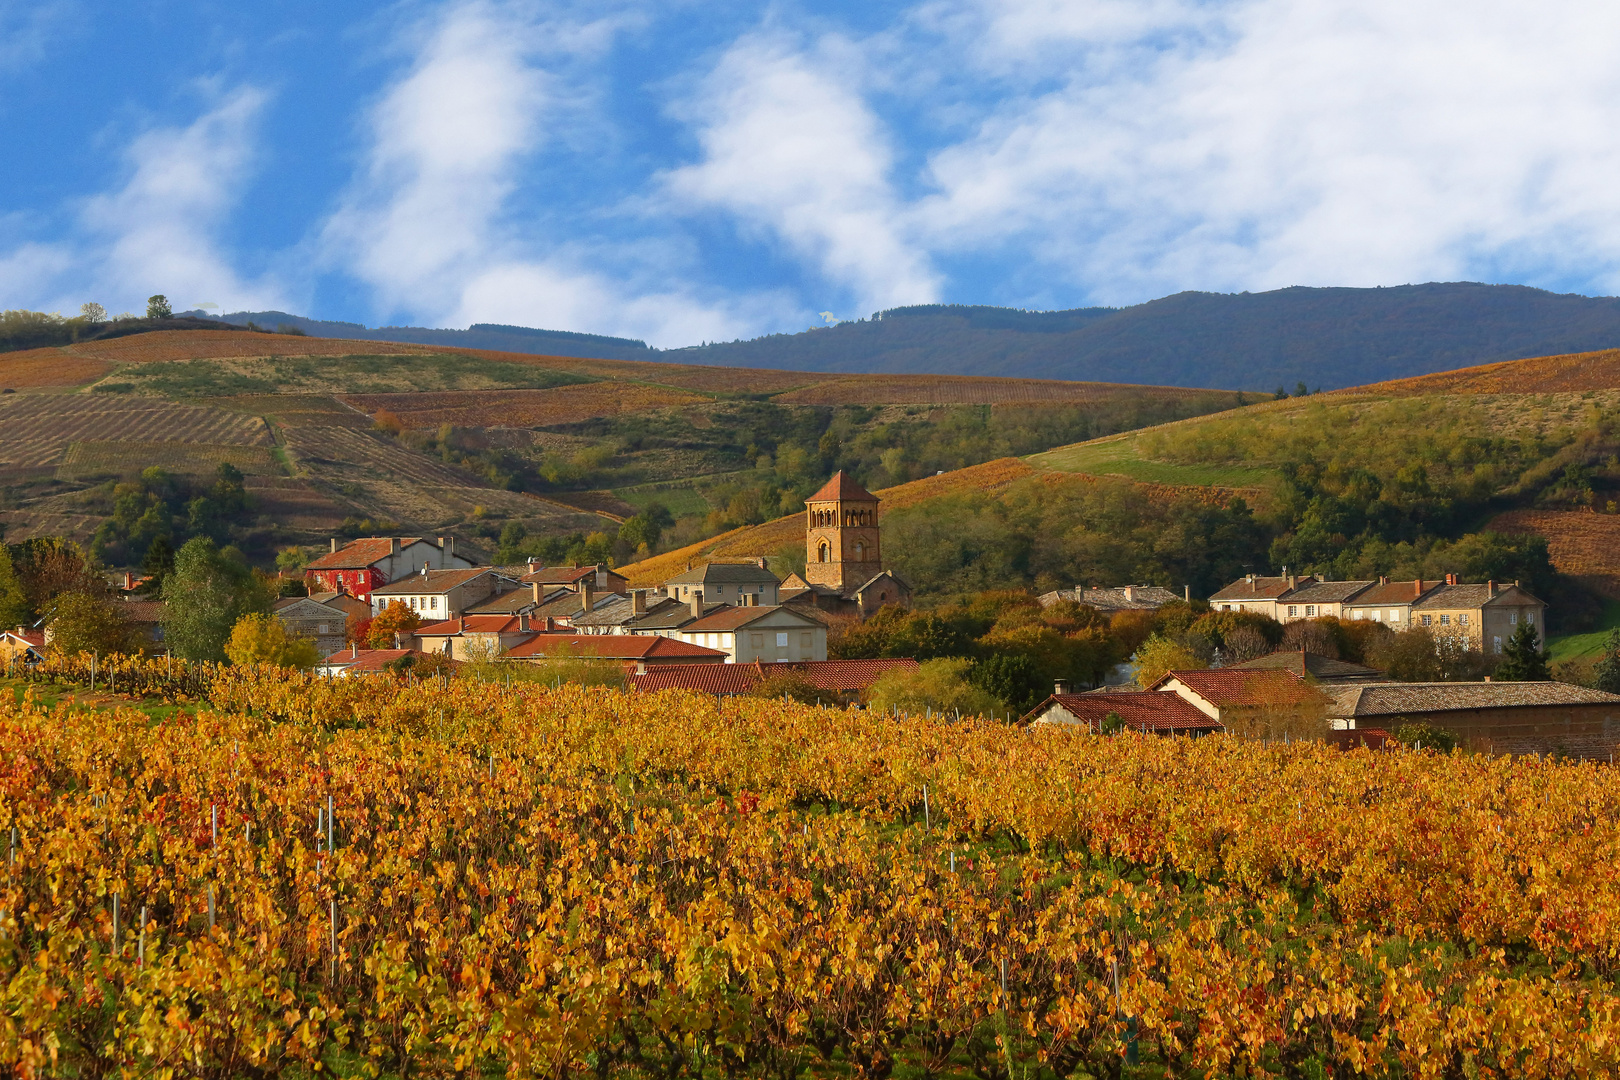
pixel 209 590
pixel 1606 672
pixel 261 638
pixel 48 567
pixel 1427 736
pixel 157 307
pixel 93 312
pixel 1160 655
pixel 79 622
pixel 940 685
pixel 14 609
pixel 1312 636
pixel 1010 677
pixel 1523 660
pixel 396 618
pixel 158 565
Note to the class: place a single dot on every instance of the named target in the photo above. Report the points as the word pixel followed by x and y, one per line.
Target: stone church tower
pixel 841 544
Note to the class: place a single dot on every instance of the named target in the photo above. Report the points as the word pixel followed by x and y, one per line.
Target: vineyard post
pixel 330 846
pixel 115 924
pixel 140 941
pixel 210 907
pixel 92 672
pixel 333 913
pixel 213 824
pixel 928 821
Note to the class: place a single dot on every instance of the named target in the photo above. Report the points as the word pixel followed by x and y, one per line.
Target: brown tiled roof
pixel 839 675
pixel 359 554
pixel 471 624
pixel 670 614
pixel 1303 663
pixel 1328 592
pixel 377 659
pixel 35 638
pixel 1261 588
pixel 434 581
pixel 1472 596
pixel 143 611
pixel 1396 699
pixel 613 646
pixel 842 488
pixel 1395 592
pixel 731 618
pixel 507 603
pixel 563 575
pixel 1226 687
pixel 718 573
pixel 1143 710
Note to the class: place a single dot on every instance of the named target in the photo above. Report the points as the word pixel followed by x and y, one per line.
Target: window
pixel 756 641
pixel 1513 618
pixel 1497 643
pixel 1310 611
pixel 1427 620
pixel 1530 617
pixel 1376 614
pixel 1292 611
pixel 781 640
pixel 323 630
pixel 806 641
pixel 1445 620
pixel 1394 616
pixel 1462 620
pixel 822 552
pixel 433 603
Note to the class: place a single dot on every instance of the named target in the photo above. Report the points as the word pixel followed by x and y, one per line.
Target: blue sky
pixel 683 172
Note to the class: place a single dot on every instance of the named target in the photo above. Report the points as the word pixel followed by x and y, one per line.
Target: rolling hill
pixel 339 436
pixel 1326 337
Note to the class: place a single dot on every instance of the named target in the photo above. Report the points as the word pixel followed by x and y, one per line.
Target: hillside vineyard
pixel 427 879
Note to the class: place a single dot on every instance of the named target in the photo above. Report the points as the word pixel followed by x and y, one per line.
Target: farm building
pixel 1153 712
pixel 1489 717
pixel 848 679
pixel 356 661
pixel 21 645
pixel 361 566
pixel 1256 702
pixel 474 637
pixel 306 617
pixel 637 652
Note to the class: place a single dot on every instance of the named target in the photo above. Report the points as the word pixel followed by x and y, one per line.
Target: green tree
pixel 158 565
pixel 261 638
pixel 940 685
pixel 157 307
pixel 1010 677
pixel 14 609
pixel 1160 655
pixel 1606 671
pixel 79 622
pixel 93 312
pixel 209 590
pixel 1523 660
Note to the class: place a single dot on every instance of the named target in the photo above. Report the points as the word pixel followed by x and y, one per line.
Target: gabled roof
pixel 1227 687
pixel 1259 588
pixel 1396 592
pixel 1474 596
pixel 377 659
pixel 143 611
pixel 1141 710
pixel 1302 663
pixel 716 573
pixel 472 624
pixel 434 581
pixel 842 488
pixel 1328 592
pixel 508 603
pixel 843 676
pixel 1115 598
pixel 33 638
pixel 614 610
pixel 1398 699
pixel 613 647
pixel 670 614
pixel 361 553
pixel 729 618
pixel 899 581
pixel 563 575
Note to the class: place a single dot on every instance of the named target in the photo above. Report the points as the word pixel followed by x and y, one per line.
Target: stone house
pixel 474 637
pixel 1119 598
pixel 727 583
pixel 306 617
pixel 1488 614
pixel 767 634
pixel 1390 602
pixel 1318 599
pixel 443 594
pixel 1257 593
pixel 1489 717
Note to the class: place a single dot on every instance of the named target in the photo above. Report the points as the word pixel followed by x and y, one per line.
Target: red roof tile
pixel 1225 687
pixel 613 646
pixel 377 659
pixel 844 676
pixel 361 553
pixel 471 624
pixel 842 488
pixel 1260 588
pixel 1141 710
pixel 703 678
pixel 730 618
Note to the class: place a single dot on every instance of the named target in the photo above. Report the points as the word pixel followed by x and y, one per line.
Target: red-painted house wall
pixel 357 583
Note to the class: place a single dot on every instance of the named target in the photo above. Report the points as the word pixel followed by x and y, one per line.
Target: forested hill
pixel 1326 338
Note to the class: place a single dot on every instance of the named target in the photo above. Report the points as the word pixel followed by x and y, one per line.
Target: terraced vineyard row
pixel 37 429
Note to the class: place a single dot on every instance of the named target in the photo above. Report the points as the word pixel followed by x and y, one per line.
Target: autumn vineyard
pixel 366 877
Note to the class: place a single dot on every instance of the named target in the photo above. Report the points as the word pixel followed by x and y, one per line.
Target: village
pixel 729 628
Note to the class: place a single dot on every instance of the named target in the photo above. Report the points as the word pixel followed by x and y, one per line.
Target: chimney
pixel 697 603
pixel 1490 589
pixel 129 580
pixel 1130 594
pixel 334 545
pixel 448 545
pixel 638 601
pixel 761 561
pixel 538 589
pixel 601 575
pixel 1061 686
pixel 1383 581
pixel 587 596
pixel 424 570
pixel 1417 587
pixel 393 545
pixel 1186 593
pixel 1292 582
pixel 551 624
pixel 523 622
pixel 354 650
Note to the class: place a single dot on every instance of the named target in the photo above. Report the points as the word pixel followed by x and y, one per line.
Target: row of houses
pixel 1351 705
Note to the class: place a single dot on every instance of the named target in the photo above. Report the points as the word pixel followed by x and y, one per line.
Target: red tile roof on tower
pixel 359 554
pixel 842 488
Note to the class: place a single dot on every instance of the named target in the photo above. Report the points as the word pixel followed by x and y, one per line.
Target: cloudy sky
pixel 697 171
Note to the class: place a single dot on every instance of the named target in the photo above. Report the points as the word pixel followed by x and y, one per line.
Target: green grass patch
pixel 1589 644
pixel 1122 457
pixel 679 497
pixel 50 695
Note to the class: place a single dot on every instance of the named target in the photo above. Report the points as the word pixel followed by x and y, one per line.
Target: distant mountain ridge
pixel 1326 337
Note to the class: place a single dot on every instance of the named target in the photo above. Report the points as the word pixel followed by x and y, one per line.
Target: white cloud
pixel 791 149
pixel 1269 143
pixel 27 26
pixel 157 231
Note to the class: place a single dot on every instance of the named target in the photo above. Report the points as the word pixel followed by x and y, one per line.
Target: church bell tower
pixel 841 541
